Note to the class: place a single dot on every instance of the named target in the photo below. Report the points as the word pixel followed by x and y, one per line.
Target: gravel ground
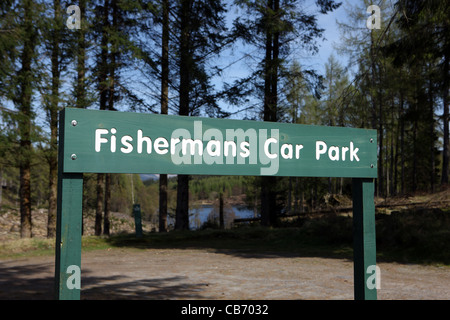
pixel 177 274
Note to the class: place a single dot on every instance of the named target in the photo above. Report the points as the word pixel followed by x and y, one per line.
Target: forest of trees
pixel 179 57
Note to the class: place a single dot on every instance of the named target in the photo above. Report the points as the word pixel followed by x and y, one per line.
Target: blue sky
pixel 331 35
pixel 317 62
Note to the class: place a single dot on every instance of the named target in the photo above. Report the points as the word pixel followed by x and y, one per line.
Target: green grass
pixel 248 239
pixel 408 237
pixel 416 236
pixel 26 247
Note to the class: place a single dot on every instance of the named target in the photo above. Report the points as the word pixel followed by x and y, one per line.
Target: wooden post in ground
pixel 137 220
pixel 68 227
pixel 364 239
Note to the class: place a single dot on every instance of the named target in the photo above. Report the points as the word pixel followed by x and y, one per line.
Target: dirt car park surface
pixel 206 274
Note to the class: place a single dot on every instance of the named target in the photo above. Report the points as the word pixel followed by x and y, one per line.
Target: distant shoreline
pixel 238 200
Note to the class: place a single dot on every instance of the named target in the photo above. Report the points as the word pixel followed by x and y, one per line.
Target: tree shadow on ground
pixel 26 282
pixel 98 288
pixel 408 236
pixel 36 282
pixel 253 244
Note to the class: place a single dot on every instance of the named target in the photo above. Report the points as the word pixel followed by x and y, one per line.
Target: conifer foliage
pixel 161 56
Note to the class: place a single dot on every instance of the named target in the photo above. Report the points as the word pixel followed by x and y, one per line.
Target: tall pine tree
pixel 21 93
pixel 273 26
pixel 199 27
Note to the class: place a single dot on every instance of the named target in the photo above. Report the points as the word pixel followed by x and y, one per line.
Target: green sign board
pixel 117 142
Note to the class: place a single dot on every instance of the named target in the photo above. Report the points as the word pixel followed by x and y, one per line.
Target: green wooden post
pixel 68 228
pixel 68 237
pixel 364 238
pixel 137 220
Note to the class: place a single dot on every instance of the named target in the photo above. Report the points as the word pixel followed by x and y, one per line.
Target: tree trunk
pixel 445 117
pixel 103 90
pixel 80 91
pixel 52 198
pixel 164 110
pixel 289 204
pixel 25 115
pixel 378 181
pixel 392 155
pixel 99 205
pixel 53 115
pixel 182 211
pixel 25 199
pixel 106 222
pixel 414 167
pixel 1 186
pixel 163 203
pixel 275 64
pixel 268 184
pixel 111 89
pixel 431 124
pixel 221 217
pixel 402 145
pixel 381 177
pixel 268 66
